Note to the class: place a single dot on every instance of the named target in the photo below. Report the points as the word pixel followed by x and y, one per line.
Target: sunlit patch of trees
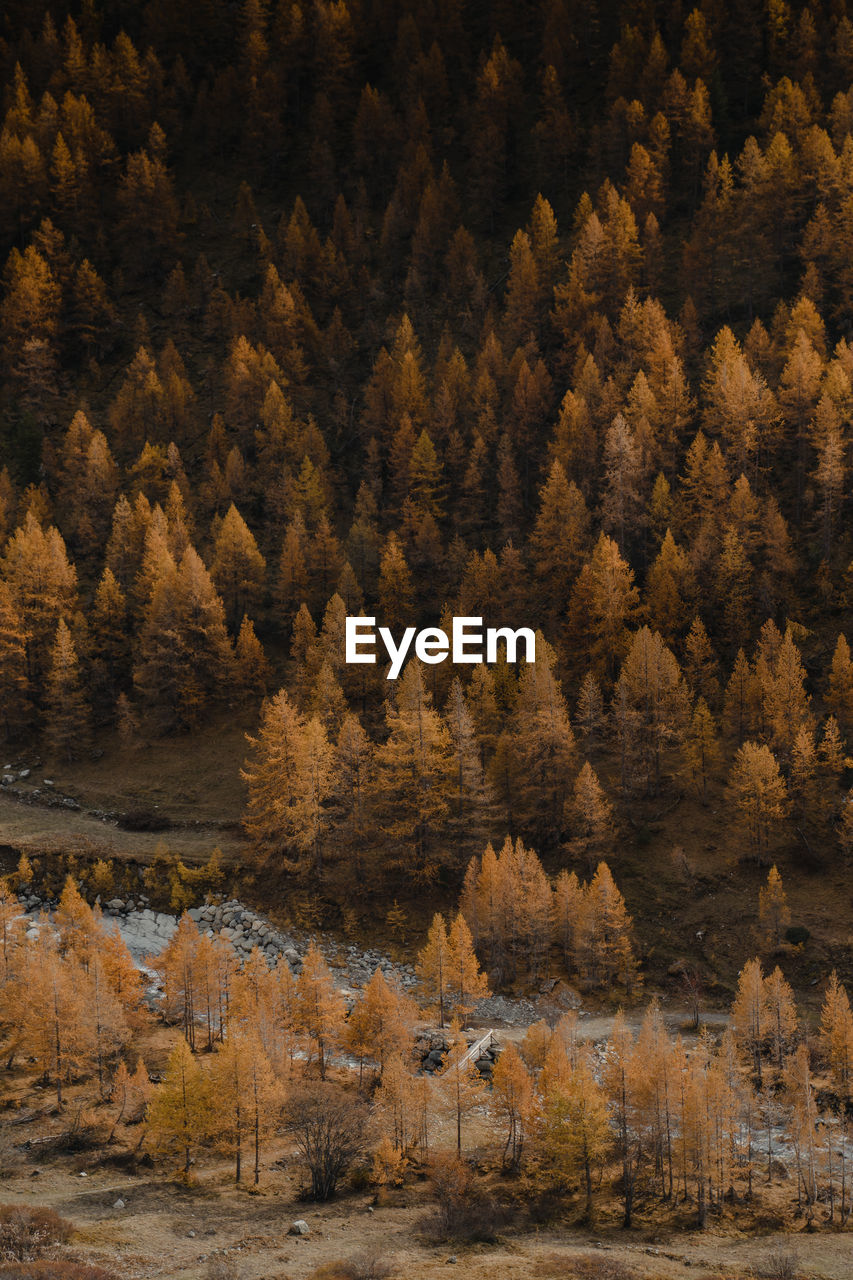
pixel 261 1055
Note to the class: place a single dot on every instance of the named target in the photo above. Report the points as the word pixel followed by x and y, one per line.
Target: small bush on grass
pixel 780 1265
pixel 47 1270
pixel 26 1232
pixel 463 1213
pixel 365 1266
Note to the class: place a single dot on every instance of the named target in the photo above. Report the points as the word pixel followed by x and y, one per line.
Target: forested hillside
pixel 533 312
pixel 539 313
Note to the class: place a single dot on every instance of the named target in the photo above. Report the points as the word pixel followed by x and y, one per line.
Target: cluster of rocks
pixel 10 779
pixel 513 1010
pixel 430 1049
pixel 360 966
pixel 245 930
pixel 33 903
pixel 10 776
pixel 144 931
pixel 126 906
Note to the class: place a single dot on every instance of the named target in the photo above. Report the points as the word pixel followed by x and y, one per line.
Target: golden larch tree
pixel 836 1035
pixel 319 1006
pixel 512 1102
pixel 576 1136
pixel 774 915
pixel 840 691
pixel 238 569
pixel 460 1085
pixel 750 1014
pixel 181 1115
pixel 381 1023
pixel 66 710
pixel 466 983
pixel 758 792
pixel 591 817
pixel 781 1016
pixel 15 706
pixel 246 1098
pixel 433 967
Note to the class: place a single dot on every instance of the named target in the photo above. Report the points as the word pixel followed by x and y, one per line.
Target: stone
pixel 191 1235
pixel 115 904
pixel 24 773
pixel 8 779
pixel 118 1204
pixel 299 1228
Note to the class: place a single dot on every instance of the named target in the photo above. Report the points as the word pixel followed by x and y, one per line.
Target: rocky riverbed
pixel 146 932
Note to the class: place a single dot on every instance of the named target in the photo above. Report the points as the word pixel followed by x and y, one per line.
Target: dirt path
pixel 598 1026
pixel 38 829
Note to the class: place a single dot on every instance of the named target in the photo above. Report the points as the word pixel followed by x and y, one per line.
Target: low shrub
pixel 26 1232
pixel 143 820
pixel 47 1270
pixel 595 1267
pixel 463 1213
pixel 587 1266
pixel 780 1265
pixel 87 1132
pixel 221 1269
pixel 365 1266
pixel 798 935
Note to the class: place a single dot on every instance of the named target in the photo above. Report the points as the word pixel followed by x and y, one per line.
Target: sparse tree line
pixel 654 1120
pixel 642 1116
pixel 69 997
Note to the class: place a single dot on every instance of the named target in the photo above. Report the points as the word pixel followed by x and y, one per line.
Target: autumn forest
pixel 537 313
